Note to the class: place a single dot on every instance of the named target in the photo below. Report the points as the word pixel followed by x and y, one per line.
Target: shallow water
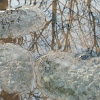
pixel 54 34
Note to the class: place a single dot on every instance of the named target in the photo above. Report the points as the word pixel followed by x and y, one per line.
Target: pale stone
pixel 22 21
pixel 61 76
pixel 16 69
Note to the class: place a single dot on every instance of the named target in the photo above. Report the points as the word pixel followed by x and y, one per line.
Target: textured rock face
pixel 16 69
pixel 61 76
pixel 21 21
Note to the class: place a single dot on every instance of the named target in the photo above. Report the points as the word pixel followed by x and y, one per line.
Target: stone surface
pixel 21 21
pixel 16 69
pixel 61 76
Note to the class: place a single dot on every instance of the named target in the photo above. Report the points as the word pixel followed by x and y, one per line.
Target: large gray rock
pixel 16 69
pixel 21 21
pixel 63 77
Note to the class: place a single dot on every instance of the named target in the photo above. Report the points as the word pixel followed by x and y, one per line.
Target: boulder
pixel 21 21
pixel 16 69
pixel 61 76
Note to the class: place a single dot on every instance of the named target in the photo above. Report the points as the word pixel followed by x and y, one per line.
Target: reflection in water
pixel 15 96
pixel 33 42
pixel 6 96
pixel 68 27
pixel 7 40
pixel 3 4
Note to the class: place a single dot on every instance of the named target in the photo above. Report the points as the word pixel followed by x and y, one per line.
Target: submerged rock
pixel 16 69
pixel 63 77
pixel 21 21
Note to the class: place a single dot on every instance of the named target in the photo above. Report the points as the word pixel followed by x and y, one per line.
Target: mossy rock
pixel 61 76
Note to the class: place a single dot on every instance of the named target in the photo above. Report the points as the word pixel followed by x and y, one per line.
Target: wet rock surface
pixel 16 69
pixel 63 77
pixel 22 21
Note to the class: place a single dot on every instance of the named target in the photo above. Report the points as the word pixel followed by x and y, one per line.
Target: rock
pixel 61 76
pixel 16 69
pixel 22 21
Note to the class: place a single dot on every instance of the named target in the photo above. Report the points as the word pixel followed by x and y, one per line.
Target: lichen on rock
pixel 21 21
pixel 63 77
pixel 16 69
